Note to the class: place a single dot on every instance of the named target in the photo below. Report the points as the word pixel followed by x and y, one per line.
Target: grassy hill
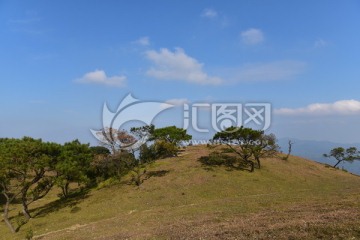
pixel 294 199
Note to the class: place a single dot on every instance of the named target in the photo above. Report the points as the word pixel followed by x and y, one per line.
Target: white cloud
pixel 319 43
pixel 342 107
pixel 252 36
pixel 99 77
pixel 177 101
pixel 177 65
pixel 273 71
pixel 143 41
pixel 209 13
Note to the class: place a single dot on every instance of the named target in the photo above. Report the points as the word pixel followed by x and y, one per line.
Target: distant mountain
pixel 314 150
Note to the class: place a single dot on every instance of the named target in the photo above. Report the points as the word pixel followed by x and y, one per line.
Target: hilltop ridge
pixel 183 199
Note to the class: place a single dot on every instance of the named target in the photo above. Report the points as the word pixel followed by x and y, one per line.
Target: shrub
pixel 165 149
pixel 107 183
pixel 105 167
pixel 218 159
pixel 147 153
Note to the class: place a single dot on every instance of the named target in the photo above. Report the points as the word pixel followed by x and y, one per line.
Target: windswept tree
pixel 10 188
pixel 25 164
pixel 161 142
pixel 72 165
pixel 341 154
pixel 168 139
pixel 266 146
pixel 249 144
pixel 171 134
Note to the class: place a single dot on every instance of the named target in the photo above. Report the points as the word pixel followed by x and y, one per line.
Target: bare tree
pixel 116 140
pixel 290 143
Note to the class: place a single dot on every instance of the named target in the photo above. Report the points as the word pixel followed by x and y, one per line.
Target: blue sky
pixel 61 60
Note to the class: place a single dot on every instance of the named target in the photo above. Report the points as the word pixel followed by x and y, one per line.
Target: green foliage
pixel 165 149
pixel 123 162
pixel 251 145
pixel 160 143
pixel 100 150
pixel 238 135
pixel 143 131
pixel 99 167
pixel 342 154
pixel 147 153
pixel 218 159
pixel 264 147
pixel 170 134
pixel 25 164
pixel 28 160
pixel 165 141
pixel 108 183
pixel 29 168
pixel 227 150
pixel 73 164
pixel 138 173
pixel 112 166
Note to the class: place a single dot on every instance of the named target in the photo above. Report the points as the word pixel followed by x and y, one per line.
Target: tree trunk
pixel 6 214
pixel 258 162
pixel 65 190
pixel 26 211
pixel 25 189
pixel 289 150
pixel 24 204
pixel 251 166
pixel 336 164
pixel 6 219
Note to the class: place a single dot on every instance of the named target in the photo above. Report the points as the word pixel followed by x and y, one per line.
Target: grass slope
pixel 294 199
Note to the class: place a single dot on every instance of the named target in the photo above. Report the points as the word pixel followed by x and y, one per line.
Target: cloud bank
pixel 342 107
pixel 177 65
pixel 99 77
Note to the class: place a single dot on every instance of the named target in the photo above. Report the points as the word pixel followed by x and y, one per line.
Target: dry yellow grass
pixel 294 199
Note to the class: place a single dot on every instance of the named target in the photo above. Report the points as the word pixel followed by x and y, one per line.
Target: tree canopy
pixel 248 144
pixel 171 134
pixel 24 166
pixel 341 154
